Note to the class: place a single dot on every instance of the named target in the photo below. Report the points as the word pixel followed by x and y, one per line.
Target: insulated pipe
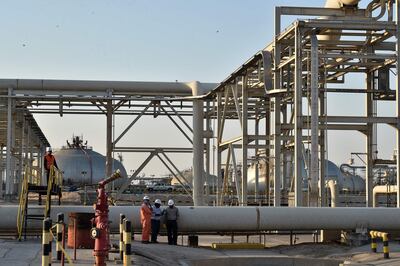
pixel 335 4
pixel 382 190
pixel 125 87
pixel 237 219
pixel 198 145
pixel 333 187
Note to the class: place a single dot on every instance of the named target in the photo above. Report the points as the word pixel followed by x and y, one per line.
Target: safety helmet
pixel 171 202
pixel 157 201
pixel 146 198
pixel 48 149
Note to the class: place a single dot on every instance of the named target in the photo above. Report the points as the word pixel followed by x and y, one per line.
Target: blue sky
pixel 142 40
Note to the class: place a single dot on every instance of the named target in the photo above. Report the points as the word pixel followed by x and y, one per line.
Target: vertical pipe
pixel 244 140
pixel 9 143
pixel 369 143
pixel 109 148
pixel 207 177
pixel 219 151
pixel 75 233
pixel 298 144
pixel 314 123
pixel 198 148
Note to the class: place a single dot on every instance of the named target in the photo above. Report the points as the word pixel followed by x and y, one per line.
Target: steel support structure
pixel 297 72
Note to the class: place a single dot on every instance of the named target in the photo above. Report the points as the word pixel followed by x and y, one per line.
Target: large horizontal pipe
pixel 161 88
pixel 239 219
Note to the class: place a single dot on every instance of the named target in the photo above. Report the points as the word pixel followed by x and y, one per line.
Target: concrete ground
pixel 278 252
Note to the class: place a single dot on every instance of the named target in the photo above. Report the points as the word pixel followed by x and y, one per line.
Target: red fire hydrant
pixel 100 231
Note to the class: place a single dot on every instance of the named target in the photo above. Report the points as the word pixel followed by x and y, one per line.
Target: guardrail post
pixel 385 240
pixel 121 236
pixel 127 242
pixel 60 221
pixel 46 243
pixel 373 241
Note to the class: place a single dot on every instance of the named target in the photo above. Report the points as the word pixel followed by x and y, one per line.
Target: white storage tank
pixel 81 165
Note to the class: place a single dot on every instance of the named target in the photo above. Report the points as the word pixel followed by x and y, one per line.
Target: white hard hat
pixel 157 201
pixel 170 202
pixel 48 149
pixel 146 198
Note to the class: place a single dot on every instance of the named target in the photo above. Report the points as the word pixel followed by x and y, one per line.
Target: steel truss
pixel 295 73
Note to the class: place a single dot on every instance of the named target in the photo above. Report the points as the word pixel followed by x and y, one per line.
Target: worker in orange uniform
pixel 49 160
pixel 145 219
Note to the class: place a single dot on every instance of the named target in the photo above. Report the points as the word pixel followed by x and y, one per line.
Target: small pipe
pixel 75 232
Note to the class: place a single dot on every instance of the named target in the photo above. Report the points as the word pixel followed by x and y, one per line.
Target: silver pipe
pixel 237 219
pixel 163 88
pixel 198 146
pixel 392 189
pixel 333 187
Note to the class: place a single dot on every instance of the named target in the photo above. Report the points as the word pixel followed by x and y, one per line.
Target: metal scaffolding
pixel 295 73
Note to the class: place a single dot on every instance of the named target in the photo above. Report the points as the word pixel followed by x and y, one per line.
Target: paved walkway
pixel 28 252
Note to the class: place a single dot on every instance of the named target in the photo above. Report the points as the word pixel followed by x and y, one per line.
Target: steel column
pixel 369 143
pixel 244 140
pixel 298 120
pixel 198 152
pixel 219 150
pixel 9 174
pixel 314 174
pixel 277 151
pixel 109 142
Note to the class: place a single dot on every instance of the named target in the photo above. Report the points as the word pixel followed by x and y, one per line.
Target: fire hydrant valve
pixel 101 230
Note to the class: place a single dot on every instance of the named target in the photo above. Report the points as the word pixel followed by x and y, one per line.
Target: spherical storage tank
pixel 81 165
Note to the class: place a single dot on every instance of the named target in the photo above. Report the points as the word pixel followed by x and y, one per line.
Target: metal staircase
pixel 31 184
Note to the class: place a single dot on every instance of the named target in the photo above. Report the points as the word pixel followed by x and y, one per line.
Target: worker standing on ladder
pixel 49 160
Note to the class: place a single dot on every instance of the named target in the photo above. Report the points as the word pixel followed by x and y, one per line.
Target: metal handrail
pixel 23 197
pixel 55 178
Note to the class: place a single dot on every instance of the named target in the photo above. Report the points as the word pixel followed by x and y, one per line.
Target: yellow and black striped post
pixel 385 240
pixel 373 241
pixel 46 243
pixel 60 221
pixel 121 236
pixel 127 242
